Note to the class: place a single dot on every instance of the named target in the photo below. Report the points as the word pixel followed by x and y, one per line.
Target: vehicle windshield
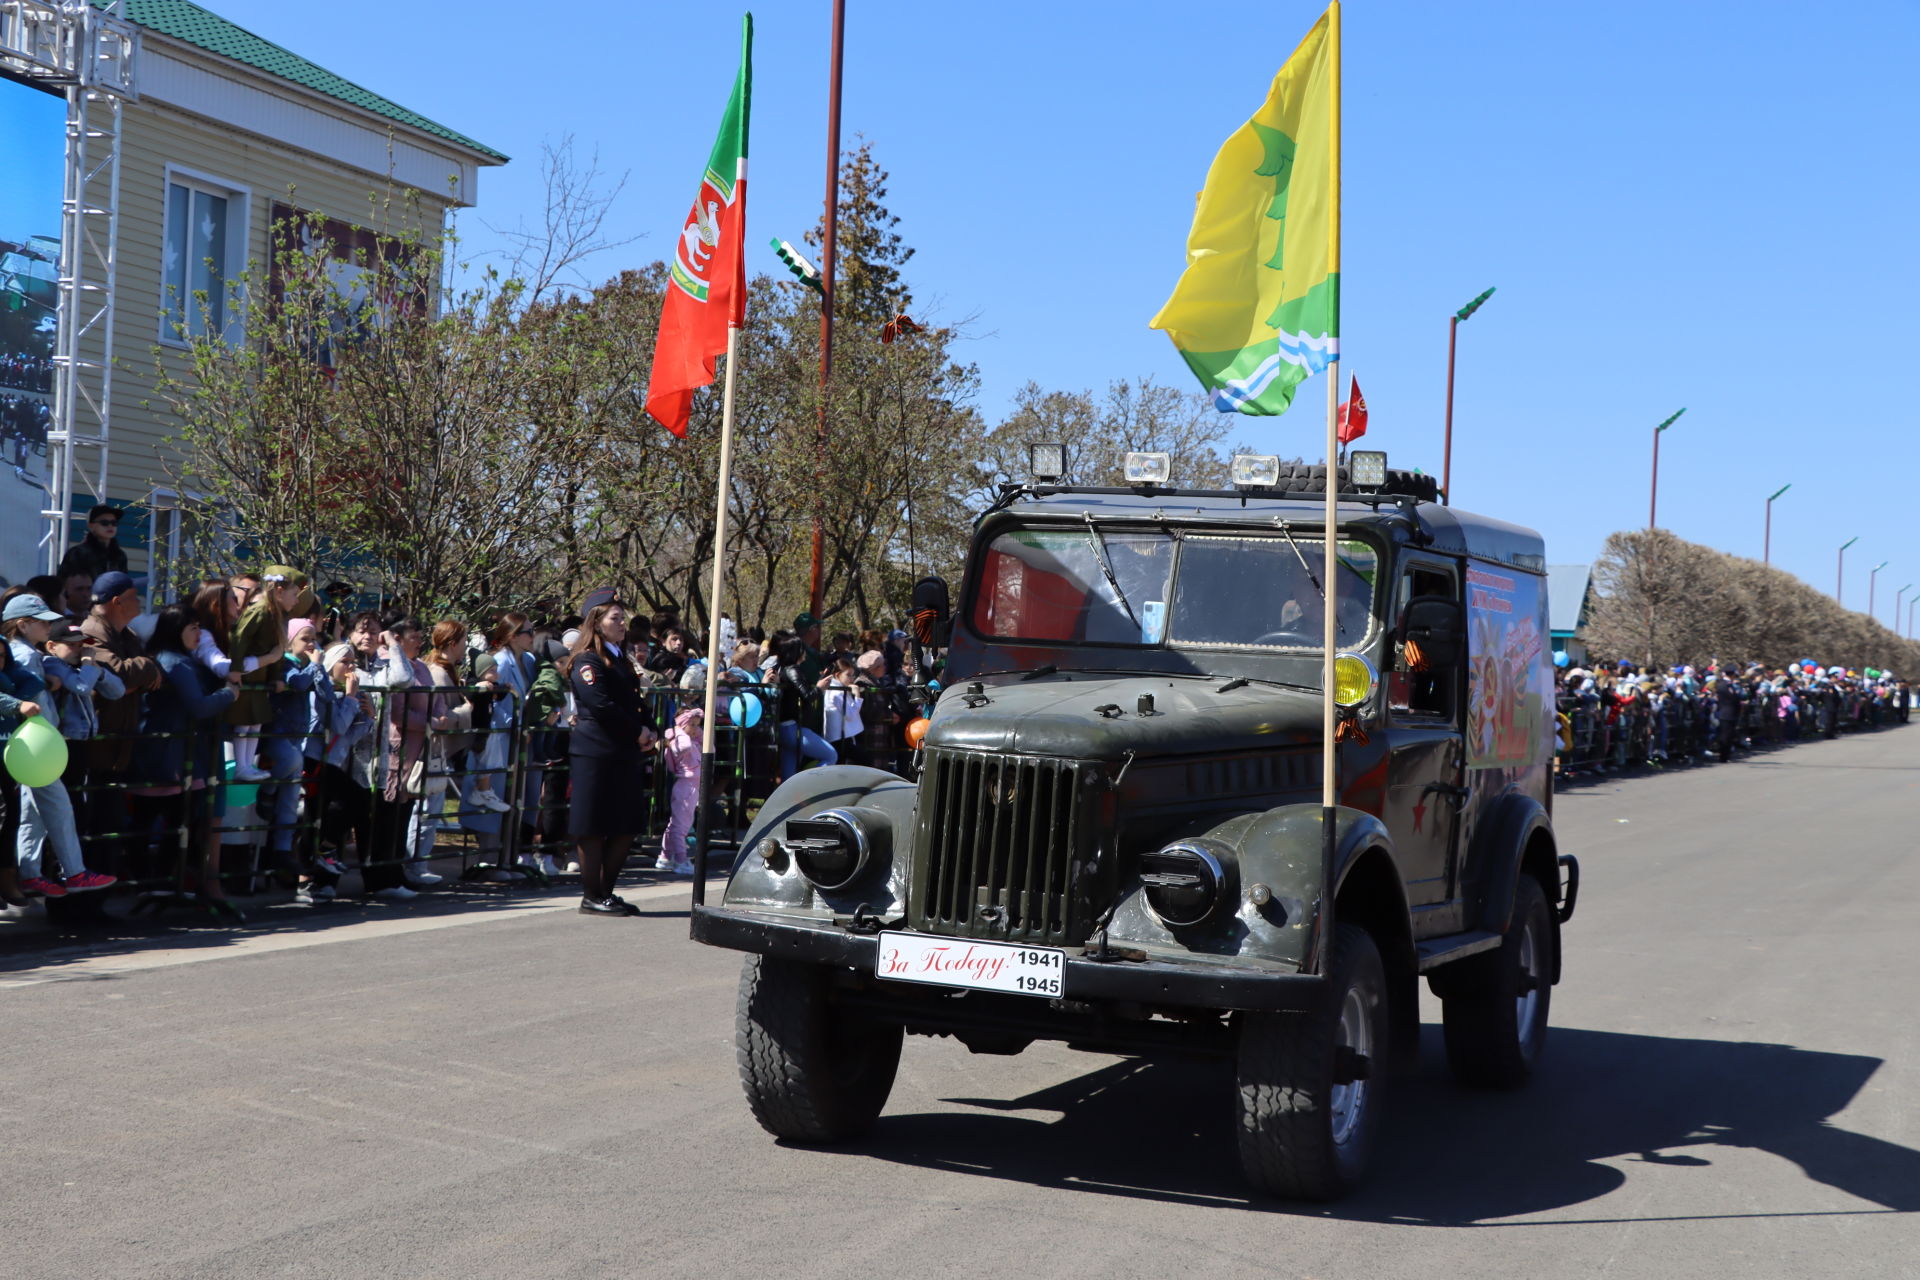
pixel 1168 587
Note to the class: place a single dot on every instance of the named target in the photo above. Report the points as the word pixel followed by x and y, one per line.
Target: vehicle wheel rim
pixel 1526 1003
pixel 1348 1103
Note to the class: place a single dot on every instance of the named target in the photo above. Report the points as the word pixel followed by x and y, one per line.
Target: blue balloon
pixel 1561 659
pixel 933 686
pixel 744 710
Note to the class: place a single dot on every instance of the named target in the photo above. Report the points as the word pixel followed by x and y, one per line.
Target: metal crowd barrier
pixel 153 841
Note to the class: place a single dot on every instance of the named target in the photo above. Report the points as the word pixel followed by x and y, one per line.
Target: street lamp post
pixel 1446 458
pixel 1653 490
pixel 1870 577
pixel 1897 597
pixel 1766 551
pixel 1911 606
pixel 1840 574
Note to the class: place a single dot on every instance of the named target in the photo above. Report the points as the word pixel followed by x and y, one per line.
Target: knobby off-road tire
pixel 812 1072
pixel 1309 1085
pixel 1496 1015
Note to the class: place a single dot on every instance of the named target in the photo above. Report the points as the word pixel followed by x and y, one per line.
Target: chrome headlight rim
pixel 1220 867
pixel 847 821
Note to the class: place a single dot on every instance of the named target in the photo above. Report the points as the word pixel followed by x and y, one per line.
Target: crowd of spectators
pixel 1628 715
pixel 22 371
pixel 255 703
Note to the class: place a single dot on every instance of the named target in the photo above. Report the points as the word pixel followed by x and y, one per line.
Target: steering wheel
pixel 1282 638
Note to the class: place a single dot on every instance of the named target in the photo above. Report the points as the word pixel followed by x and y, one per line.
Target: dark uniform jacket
pixel 611 712
pixel 92 557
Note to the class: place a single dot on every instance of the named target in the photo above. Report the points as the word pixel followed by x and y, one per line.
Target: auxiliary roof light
pixel 1367 468
pixel 1256 470
pixel 1149 468
pixel 1046 462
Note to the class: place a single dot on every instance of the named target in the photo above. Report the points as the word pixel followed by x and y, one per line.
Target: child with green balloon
pixel 16 705
pixel 36 756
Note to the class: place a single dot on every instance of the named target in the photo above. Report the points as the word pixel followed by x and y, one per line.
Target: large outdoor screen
pixel 32 122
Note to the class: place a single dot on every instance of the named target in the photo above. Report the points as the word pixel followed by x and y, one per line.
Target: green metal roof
pixel 188 22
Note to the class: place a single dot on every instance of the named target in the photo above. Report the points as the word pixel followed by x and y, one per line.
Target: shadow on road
pixel 1450 1157
pixel 89 926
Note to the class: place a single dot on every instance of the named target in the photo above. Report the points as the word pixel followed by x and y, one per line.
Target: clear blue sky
pixel 1709 204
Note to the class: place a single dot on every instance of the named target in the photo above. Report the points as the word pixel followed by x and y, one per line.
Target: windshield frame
pixel 1309 538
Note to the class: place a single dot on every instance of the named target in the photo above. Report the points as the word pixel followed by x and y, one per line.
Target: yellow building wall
pixel 143 452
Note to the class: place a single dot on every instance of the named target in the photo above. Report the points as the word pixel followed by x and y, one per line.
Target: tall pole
pixel 816 590
pixel 1874 573
pixel 1897 598
pixel 1653 486
pixel 1446 456
pixel 1329 633
pixel 1453 333
pixel 1911 606
pixel 1840 573
pixel 1766 546
pixel 705 787
pixel 1653 490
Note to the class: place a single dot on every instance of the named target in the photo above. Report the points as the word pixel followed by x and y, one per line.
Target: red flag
pixel 707 283
pixel 1353 415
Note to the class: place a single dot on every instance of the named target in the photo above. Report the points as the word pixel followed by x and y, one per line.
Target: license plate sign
pixel 980 966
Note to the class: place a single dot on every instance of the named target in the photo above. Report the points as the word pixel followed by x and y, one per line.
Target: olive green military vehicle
pixel 1116 839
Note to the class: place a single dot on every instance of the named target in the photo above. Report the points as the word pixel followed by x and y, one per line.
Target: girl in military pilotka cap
pixel 259 641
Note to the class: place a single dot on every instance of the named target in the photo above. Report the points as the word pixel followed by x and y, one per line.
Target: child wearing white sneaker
pixel 681 751
pixel 259 643
pixel 46 813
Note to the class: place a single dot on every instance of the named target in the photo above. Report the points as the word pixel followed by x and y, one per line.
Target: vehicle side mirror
pixel 932 612
pixel 1435 624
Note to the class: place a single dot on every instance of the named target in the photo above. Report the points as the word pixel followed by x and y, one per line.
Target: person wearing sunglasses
pixel 100 551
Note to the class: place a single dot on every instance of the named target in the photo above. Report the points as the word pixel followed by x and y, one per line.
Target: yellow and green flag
pixel 1257 309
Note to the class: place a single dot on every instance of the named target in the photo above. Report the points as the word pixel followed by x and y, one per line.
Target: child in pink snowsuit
pixel 681 751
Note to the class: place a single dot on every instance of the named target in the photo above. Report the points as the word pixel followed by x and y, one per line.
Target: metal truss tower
pixel 87 53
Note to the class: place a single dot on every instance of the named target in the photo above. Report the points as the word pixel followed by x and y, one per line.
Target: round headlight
pixel 831 848
pixel 1353 679
pixel 1184 883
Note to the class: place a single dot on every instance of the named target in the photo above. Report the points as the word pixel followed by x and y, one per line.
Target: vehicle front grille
pixel 1007 847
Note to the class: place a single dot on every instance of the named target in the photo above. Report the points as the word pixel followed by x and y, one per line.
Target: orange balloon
pixel 916 730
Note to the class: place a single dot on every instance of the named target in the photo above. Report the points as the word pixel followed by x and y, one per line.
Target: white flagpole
pixel 713 623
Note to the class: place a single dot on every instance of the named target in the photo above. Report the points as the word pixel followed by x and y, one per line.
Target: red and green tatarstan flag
pixel 707 285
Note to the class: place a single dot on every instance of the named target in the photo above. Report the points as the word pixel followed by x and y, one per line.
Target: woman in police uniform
pixel 612 733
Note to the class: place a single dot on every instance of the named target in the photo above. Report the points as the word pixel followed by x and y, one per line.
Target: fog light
pixel 1353 680
pixel 1047 462
pixel 831 848
pixel 1149 468
pixel 1184 883
pixel 1367 468
pixel 1256 470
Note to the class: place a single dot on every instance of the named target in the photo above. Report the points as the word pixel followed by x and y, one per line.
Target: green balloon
pixel 37 754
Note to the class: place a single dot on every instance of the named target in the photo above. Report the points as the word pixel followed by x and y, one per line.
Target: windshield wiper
pixel 1286 531
pixel 1099 545
pixel 1039 672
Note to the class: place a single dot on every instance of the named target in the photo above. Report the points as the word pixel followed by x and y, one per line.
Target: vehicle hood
pixel 1056 716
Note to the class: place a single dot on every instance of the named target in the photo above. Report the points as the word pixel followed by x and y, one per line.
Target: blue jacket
pixel 17 685
pixel 293 704
pixel 182 711
pixel 80 685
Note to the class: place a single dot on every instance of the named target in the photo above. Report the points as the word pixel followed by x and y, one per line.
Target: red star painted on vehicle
pixel 1419 813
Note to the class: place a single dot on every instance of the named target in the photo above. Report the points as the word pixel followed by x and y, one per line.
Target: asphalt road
pixel 518 1091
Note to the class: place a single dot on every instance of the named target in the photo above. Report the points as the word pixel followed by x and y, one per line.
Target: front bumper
pixel 1153 982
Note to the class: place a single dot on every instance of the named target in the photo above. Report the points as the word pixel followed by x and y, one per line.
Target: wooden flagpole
pixel 1330 628
pixel 713 625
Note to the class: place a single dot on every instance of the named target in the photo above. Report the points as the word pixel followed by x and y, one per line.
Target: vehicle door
pixel 1426 778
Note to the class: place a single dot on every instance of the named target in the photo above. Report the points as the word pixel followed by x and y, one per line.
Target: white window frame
pixel 239 198
pixel 166 510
